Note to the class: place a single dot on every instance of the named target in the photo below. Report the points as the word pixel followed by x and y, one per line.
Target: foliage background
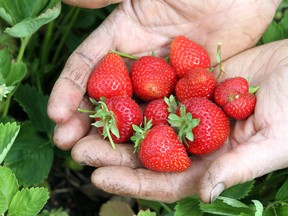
pixel 35 58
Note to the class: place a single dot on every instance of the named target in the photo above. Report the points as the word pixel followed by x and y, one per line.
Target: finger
pixel 249 160
pixel 146 184
pixel 91 3
pixel 69 89
pixel 68 133
pixel 94 151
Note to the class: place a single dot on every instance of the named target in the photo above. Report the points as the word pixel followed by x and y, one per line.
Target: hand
pixel 91 3
pixel 140 27
pixel 256 146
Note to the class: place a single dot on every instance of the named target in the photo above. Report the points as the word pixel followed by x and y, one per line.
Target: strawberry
pixel 186 54
pixel 115 116
pixel 160 149
pixel 152 78
pixel 158 110
pixel 236 97
pixel 197 82
pixel 110 78
pixel 201 124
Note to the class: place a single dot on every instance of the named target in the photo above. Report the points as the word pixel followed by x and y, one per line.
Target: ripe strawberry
pixel 152 78
pixel 110 78
pixel 185 54
pixel 160 149
pixel 197 82
pixel 202 125
pixel 235 97
pixel 158 110
pixel 115 116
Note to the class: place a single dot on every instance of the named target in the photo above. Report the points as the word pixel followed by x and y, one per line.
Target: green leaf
pixel 150 204
pixel 226 206
pixel 259 208
pixel 35 105
pixel 188 206
pixel 28 202
pixel 278 210
pixel 273 32
pixel 238 191
pixel 283 23
pixel 8 134
pixel 3 203
pixel 146 213
pixel 53 212
pixel 31 156
pixel 26 17
pixel 5 90
pixel 115 207
pixel 10 73
pixel 8 188
pixel 282 193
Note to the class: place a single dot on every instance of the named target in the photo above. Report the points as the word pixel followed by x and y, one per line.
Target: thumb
pixel 256 157
pixel 70 87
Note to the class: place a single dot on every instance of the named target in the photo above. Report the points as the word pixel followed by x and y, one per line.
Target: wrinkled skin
pixel 255 147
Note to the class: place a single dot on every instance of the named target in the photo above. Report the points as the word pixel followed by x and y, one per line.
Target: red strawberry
pixel 197 82
pixel 235 97
pixel 110 78
pixel 160 149
pixel 115 118
pixel 185 54
pixel 152 78
pixel 202 125
pixel 158 110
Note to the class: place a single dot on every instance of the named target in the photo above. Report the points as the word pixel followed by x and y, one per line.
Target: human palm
pixel 256 146
pixel 140 27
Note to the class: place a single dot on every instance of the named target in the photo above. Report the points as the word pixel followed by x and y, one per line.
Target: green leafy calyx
pixel 171 103
pixel 184 124
pixel 104 118
pixel 140 133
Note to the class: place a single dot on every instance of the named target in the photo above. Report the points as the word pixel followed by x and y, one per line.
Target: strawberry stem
pixel 253 89
pixel 124 55
pixel 219 60
pixel 86 111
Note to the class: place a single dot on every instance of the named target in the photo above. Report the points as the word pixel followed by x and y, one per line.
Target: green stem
pixel 64 37
pixel 124 55
pixel 219 60
pixel 86 111
pixel 109 135
pixel 166 207
pixel 24 42
pixel 46 44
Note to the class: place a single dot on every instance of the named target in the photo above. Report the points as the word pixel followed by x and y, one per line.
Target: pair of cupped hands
pixel 255 147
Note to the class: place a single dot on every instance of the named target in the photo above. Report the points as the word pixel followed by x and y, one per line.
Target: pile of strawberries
pixel 184 109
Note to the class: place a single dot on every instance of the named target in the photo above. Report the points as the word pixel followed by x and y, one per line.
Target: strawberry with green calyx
pixel 197 82
pixel 114 118
pixel 236 97
pixel 159 148
pixel 186 54
pixel 208 133
pixel 110 78
pixel 158 110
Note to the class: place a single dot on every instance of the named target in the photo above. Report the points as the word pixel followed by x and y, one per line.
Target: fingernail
pixel 216 191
